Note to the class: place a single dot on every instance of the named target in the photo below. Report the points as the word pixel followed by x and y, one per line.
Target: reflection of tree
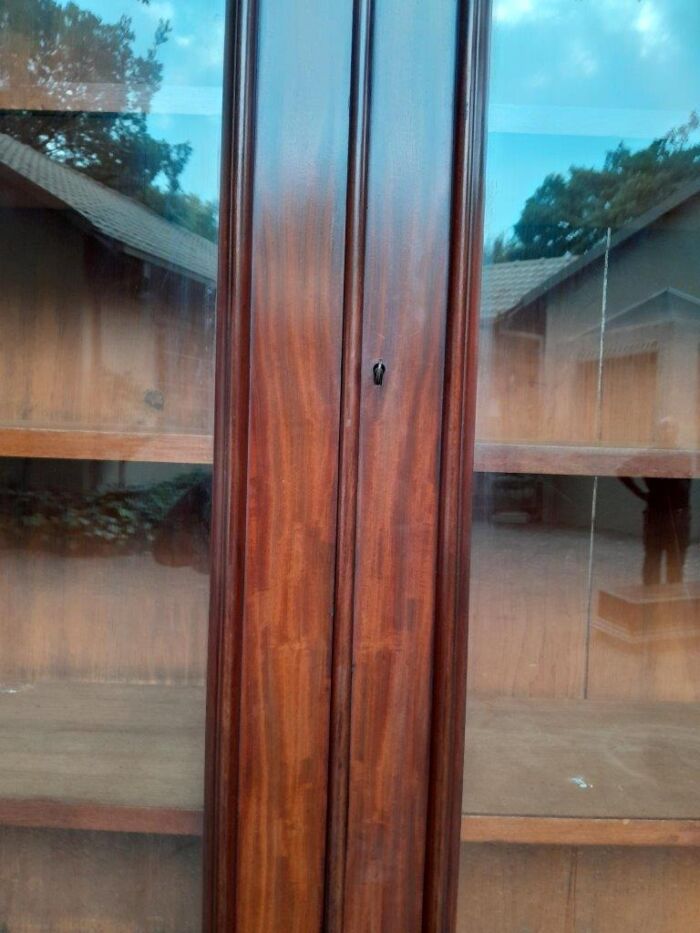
pixel 65 58
pixel 570 214
pixel 172 517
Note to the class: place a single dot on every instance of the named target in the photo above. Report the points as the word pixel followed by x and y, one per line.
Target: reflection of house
pixel 106 307
pixel 545 366
pixel 509 359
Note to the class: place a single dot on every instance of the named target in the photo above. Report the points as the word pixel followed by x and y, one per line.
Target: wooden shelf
pixel 566 831
pixel 584 461
pixel 582 772
pixel 69 444
pixel 114 757
pixel 166 447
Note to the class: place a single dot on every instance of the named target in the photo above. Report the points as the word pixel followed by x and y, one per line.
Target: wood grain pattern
pixel 230 478
pixel 456 465
pixel 68 444
pixel 404 324
pixel 297 303
pixel 559 889
pixel 585 831
pixel 348 462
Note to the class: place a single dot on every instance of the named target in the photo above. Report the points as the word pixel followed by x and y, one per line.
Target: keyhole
pixel 379 369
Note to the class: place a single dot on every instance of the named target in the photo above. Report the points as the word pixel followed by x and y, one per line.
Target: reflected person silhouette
pixel 666 516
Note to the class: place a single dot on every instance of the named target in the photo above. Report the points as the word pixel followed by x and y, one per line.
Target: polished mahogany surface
pixel 297 243
pixel 404 325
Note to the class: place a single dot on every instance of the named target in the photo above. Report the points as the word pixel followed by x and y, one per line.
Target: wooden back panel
pixel 94 339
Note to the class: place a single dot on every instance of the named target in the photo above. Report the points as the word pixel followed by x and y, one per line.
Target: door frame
pixel 231 458
pixel 448 720
pixel 230 469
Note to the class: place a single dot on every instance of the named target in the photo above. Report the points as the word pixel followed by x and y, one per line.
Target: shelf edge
pixel 53 814
pixel 573 460
pixel 579 831
pixel 66 444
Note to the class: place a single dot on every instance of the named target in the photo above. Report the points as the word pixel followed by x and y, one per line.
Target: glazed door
pixel 580 797
pixel 110 136
pixel 229 412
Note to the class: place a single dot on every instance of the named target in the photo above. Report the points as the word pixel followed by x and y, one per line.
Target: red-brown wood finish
pixel 404 324
pixel 577 460
pixel 230 487
pixel 331 645
pixel 51 814
pixel 459 407
pixel 351 395
pixel 298 233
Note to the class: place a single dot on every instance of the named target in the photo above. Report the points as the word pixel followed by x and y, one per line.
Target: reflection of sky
pixel 188 107
pixel 570 79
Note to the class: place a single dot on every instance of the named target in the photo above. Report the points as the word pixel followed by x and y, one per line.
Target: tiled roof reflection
pixel 140 230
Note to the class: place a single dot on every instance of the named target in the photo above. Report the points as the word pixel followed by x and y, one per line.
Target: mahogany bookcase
pixel 257 722
pixel 340 330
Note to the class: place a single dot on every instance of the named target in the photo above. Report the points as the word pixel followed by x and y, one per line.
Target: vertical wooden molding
pixel 228 532
pixel 348 463
pixel 459 412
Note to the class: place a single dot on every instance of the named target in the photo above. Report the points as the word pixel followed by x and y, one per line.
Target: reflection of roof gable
pixel 675 200
pixel 665 306
pixel 640 327
pixel 505 283
pixel 139 231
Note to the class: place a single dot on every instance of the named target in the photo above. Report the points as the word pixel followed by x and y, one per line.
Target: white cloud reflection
pixel 653 31
pixel 512 12
pixel 645 19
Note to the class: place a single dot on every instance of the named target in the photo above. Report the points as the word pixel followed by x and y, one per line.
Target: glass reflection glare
pixel 584 639
pixel 110 122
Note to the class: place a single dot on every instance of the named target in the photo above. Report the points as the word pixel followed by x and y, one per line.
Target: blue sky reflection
pixel 570 79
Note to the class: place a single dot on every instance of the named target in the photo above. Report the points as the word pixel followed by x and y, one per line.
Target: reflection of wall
pixel 98 339
pixel 513 405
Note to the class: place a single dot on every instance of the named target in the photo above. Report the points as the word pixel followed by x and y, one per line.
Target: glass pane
pixel 582 747
pixel 110 118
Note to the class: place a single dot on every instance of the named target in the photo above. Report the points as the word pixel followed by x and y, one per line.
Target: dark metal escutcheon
pixel 379 369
